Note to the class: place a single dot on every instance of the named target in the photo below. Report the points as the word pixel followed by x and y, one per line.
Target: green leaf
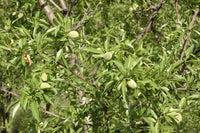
pixel 107 43
pixel 157 127
pixel 5 48
pixel 15 109
pixel 98 56
pixel 46 98
pixel 129 63
pixel 182 102
pixel 59 54
pixel 35 110
pixel 108 86
pixel 25 102
pixel 57 30
pixel 153 113
pixel 12 104
pixel 176 116
pixel 50 30
pixel 136 61
pixel 23 61
pixel 195 96
pixel 35 30
pixel 120 66
pixel 26 32
pixel 149 120
pixel 12 62
pixel 93 50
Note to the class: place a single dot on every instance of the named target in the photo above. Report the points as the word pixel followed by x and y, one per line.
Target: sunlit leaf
pixel 58 55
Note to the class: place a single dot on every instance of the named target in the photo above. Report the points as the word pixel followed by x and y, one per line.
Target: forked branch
pixel 151 20
pixel 186 38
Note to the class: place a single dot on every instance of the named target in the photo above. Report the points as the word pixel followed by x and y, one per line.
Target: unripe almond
pixel 131 9
pixel 119 86
pixel 45 85
pixel 132 84
pixel 44 76
pixel 99 49
pixel 73 34
pixel 107 56
pixel 67 49
pixel 135 6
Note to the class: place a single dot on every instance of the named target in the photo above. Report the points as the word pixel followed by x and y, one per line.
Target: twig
pixel 155 35
pixel 52 114
pixel 182 89
pixel 83 29
pixel 71 6
pixel 79 76
pixel 6 2
pixel 177 14
pixel 186 38
pixel 48 11
pixel 64 7
pixel 87 13
pixel 54 4
pixel 152 17
pixel 12 93
pixel 146 64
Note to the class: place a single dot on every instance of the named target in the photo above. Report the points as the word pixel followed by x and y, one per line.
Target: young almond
pixel 107 56
pixel 45 86
pixel 44 76
pixel 132 84
pixel 73 34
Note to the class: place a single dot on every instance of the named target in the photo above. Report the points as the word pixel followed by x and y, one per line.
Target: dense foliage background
pixel 52 81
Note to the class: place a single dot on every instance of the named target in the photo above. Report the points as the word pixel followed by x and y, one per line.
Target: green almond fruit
pixel 107 56
pixel 73 34
pixel 132 84
pixel 135 6
pixel 20 15
pixel 44 76
pixel 99 49
pixel 45 86
pixel 119 86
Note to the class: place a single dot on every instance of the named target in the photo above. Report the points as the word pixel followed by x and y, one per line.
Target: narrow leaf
pixel 182 102
pixel 93 50
pixel 46 98
pixel 34 110
pixel 120 66
pixel 59 54
pixel 15 109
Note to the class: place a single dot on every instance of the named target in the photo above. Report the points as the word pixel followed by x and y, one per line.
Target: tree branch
pixel 48 11
pixel 87 13
pixel 177 14
pixel 186 38
pixel 156 35
pixel 71 6
pixel 64 7
pixel 184 88
pixel 9 92
pixel 54 4
pixel 80 76
pixel 52 114
pixel 152 17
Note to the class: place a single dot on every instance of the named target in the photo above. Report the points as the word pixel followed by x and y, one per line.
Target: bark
pixel 48 11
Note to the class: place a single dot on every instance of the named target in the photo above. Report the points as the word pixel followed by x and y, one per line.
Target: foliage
pixel 93 93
